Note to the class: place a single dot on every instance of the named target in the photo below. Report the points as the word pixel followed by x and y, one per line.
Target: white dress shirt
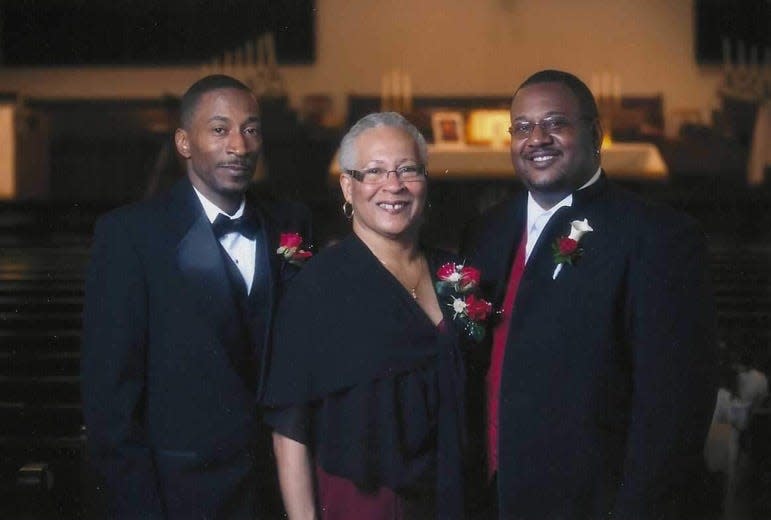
pixel 537 217
pixel 240 249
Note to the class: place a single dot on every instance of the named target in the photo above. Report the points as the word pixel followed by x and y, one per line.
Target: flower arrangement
pixel 565 249
pixel 290 248
pixel 458 284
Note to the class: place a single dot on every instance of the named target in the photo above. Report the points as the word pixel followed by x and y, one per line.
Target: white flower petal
pixel 458 305
pixel 454 277
pixel 579 228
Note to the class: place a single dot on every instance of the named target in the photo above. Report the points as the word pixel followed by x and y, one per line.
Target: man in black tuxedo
pixel 179 299
pixel 599 379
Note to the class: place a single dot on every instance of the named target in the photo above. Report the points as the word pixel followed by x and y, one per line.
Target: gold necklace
pixel 412 289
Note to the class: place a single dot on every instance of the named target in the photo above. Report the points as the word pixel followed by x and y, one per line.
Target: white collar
pixel 212 210
pixel 535 211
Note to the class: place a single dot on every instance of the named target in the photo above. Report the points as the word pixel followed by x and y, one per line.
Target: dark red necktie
pixel 500 336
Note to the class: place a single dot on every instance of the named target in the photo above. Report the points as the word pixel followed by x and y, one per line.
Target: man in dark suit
pixel 179 299
pixel 599 381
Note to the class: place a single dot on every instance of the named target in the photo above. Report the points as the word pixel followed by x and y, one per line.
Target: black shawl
pixel 360 373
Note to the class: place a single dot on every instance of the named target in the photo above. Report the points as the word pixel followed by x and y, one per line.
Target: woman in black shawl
pixel 365 384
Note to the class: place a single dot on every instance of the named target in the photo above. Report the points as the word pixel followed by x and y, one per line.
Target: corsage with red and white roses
pixel 566 249
pixel 290 249
pixel 457 285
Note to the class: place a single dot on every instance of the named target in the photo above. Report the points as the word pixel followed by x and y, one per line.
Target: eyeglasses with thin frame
pixel 377 175
pixel 552 125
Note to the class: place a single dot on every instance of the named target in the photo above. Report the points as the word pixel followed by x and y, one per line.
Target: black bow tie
pixel 244 225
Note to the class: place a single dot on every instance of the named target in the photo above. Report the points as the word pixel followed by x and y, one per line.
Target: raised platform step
pixel 55 420
pixel 40 390
pixel 36 305
pixel 40 302
pixel 27 278
pixel 12 321
pixel 35 342
pixel 30 363
pixel 49 286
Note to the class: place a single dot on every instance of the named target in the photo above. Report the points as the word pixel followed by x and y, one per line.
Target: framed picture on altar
pixel 448 128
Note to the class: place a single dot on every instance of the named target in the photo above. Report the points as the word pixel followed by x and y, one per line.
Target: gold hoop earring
pixel 348 210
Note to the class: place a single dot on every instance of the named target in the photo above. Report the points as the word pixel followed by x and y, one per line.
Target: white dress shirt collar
pixel 240 249
pixel 212 210
pixel 537 217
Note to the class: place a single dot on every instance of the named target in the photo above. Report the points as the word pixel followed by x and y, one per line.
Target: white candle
pixel 396 91
pixel 238 57
pixel 726 53
pixel 249 54
pixel 407 93
pixel 259 51
pixel 385 93
pixel 595 83
pixel 270 50
pixel 606 85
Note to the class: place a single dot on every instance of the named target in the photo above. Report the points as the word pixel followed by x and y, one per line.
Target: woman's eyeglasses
pixel 407 173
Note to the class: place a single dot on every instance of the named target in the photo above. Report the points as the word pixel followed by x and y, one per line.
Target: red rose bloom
pixel 469 277
pixel 567 246
pixel 477 309
pixel 290 240
pixel 446 271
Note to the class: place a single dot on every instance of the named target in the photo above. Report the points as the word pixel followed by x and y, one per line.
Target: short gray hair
pixel 392 119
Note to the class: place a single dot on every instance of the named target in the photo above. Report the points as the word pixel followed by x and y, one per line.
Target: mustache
pixel 246 163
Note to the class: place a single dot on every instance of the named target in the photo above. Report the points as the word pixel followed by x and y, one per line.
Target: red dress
pixel 340 499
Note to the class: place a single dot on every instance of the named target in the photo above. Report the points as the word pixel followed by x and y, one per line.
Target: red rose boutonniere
pixel 457 285
pixel 290 248
pixel 566 250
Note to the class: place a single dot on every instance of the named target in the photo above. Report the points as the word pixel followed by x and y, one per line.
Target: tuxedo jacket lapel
pixel 201 262
pixel 539 270
pixel 263 293
pixel 198 253
pixel 262 304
